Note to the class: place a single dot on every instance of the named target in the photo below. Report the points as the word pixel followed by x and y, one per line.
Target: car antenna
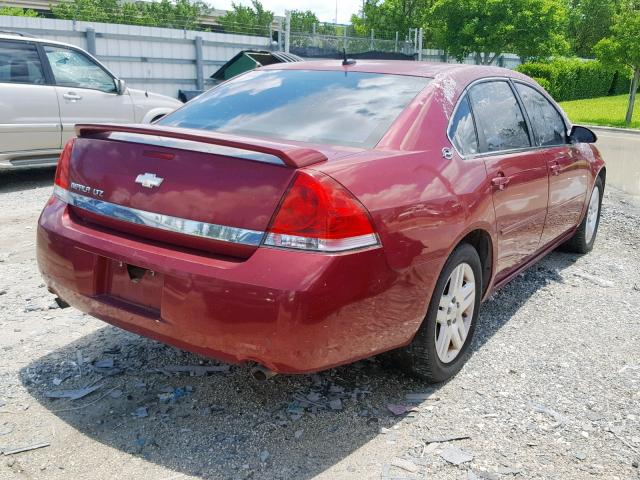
pixel 345 60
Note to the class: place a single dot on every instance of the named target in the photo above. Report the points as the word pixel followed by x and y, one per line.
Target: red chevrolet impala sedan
pixel 307 215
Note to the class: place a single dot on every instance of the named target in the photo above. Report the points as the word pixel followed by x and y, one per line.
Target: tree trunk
pixel 485 58
pixel 632 95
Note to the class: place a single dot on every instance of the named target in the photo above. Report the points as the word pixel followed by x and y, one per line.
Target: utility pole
pixel 632 96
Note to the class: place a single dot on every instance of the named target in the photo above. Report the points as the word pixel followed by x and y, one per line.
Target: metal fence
pixel 506 60
pixel 166 60
pixel 160 60
pixel 330 40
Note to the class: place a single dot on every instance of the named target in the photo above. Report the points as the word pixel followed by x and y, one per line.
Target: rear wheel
pixel 584 238
pixel 441 345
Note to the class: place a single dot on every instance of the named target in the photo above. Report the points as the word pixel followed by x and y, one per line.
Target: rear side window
pixel 501 125
pixel 462 130
pixel 332 107
pixel 548 126
pixel 20 63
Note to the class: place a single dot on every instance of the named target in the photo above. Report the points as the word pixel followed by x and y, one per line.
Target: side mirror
pixel 121 86
pixel 582 135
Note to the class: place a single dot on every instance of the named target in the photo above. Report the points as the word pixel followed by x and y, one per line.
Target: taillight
pixel 319 214
pixel 64 164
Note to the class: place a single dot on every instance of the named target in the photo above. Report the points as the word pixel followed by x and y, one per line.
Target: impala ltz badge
pixel 96 192
pixel 149 180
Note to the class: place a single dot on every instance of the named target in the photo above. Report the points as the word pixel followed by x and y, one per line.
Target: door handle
pixel 72 96
pixel 555 167
pixel 500 182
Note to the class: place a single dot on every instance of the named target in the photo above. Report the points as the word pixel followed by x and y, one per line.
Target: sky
pixel 325 10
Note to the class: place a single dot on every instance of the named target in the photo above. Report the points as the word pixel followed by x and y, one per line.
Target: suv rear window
pixel 20 63
pixel 332 107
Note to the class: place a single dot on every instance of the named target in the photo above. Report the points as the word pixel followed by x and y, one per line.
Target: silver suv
pixel 47 87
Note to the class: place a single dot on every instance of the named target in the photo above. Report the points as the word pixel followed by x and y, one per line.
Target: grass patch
pixel 608 111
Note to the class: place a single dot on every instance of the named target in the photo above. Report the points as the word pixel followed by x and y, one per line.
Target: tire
pixel 582 241
pixel 421 358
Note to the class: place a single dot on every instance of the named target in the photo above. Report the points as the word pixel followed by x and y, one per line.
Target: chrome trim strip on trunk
pixel 211 231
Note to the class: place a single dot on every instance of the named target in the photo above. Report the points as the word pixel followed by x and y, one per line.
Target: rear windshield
pixel 333 107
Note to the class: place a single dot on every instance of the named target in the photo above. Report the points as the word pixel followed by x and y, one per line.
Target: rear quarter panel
pixel 421 203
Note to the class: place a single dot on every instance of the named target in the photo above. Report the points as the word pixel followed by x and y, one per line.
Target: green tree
pixel 252 19
pixel 622 47
pixel 106 11
pixel 162 13
pixel 18 12
pixel 303 21
pixel 391 15
pixel 589 22
pixel 488 28
pixel 174 14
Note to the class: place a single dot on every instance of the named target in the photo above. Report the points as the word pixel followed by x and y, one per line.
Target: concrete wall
pixel 162 60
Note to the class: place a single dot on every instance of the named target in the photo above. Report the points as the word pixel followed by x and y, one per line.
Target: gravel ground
pixel 552 389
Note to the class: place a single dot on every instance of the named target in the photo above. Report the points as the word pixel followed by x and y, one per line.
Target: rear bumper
pixel 293 312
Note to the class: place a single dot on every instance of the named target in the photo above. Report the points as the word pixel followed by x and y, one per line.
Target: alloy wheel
pixel 592 214
pixel 455 313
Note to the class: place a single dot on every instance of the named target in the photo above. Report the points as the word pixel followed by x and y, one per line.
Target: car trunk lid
pixel 190 188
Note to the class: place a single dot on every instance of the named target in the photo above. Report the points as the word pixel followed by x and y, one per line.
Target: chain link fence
pixel 326 40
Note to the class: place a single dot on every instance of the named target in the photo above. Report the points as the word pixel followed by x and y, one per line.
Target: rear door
pixel 517 173
pixel 568 172
pixel 29 113
pixel 86 92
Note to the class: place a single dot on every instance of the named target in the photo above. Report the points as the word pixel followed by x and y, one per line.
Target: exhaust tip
pixel 260 373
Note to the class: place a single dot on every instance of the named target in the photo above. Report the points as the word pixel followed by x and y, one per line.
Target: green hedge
pixel 574 79
pixel 543 82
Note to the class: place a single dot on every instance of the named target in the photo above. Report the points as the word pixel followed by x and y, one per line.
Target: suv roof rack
pixel 19 34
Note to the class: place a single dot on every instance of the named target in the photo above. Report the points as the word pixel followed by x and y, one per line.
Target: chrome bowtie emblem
pixel 149 180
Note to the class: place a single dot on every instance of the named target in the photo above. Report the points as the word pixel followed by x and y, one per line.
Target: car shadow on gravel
pixel 226 424
pixel 17 180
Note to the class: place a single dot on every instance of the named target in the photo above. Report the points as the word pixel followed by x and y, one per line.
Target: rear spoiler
pixel 291 155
